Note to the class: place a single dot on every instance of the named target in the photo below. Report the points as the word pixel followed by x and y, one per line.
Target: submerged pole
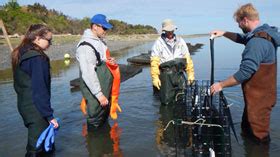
pixel 6 35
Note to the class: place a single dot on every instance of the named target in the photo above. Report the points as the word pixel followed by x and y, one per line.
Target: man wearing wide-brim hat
pixel 170 59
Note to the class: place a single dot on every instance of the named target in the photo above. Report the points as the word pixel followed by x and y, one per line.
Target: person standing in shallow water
pixel 96 76
pixel 32 83
pixel 170 60
pixel 257 72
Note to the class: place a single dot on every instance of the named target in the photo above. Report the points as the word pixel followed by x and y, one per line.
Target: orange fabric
pixel 83 106
pixel 115 133
pixel 114 68
pixel 84 130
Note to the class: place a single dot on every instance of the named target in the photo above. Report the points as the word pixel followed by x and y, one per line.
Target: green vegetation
pixel 123 28
pixel 57 40
pixel 18 18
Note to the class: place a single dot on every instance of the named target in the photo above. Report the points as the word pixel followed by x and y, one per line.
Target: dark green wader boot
pixel 98 115
pixel 172 80
pixel 35 123
pixel 99 141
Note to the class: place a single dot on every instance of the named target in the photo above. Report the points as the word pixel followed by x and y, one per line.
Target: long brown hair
pixel 35 30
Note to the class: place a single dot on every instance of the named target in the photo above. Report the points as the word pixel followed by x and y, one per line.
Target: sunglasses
pixel 105 29
pixel 49 40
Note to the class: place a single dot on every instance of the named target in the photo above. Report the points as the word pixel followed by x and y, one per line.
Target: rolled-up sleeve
pixel 241 38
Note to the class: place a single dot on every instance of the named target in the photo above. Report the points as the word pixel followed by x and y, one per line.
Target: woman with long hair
pixel 32 83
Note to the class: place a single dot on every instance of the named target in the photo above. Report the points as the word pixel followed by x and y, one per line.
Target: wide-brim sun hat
pixel 101 20
pixel 168 25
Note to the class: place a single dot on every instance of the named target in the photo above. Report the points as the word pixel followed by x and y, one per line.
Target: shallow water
pixel 138 129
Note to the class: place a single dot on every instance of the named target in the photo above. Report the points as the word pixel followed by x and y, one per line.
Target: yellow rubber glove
pixel 114 107
pixel 189 68
pixel 156 83
pixel 155 71
pixel 83 106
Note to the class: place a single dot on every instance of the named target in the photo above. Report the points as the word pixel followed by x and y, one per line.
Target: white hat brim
pixel 169 28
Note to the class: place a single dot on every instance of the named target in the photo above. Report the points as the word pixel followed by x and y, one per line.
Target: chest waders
pixel 33 120
pixel 172 77
pixel 259 97
pixel 97 115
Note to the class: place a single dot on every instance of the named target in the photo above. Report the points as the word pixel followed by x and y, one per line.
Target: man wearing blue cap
pixel 95 77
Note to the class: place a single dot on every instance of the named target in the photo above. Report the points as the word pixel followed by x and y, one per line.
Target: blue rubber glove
pixel 43 136
pixel 47 137
pixel 49 141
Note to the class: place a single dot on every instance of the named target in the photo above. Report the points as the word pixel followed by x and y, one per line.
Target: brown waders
pixel 259 97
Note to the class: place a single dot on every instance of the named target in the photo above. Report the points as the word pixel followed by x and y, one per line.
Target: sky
pixel 190 16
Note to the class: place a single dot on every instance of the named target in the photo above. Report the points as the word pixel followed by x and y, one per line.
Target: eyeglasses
pixel 49 40
pixel 105 29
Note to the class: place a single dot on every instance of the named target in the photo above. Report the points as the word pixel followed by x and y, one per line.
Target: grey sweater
pixel 87 60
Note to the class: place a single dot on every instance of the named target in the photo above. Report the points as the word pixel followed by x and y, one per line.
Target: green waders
pixel 98 115
pixel 99 141
pixel 33 120
pixel 172 77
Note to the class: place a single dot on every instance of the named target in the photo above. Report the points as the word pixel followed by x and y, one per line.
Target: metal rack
pixel 210 111
pixel 204 122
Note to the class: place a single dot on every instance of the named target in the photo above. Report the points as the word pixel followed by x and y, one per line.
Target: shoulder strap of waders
pixel 266 36
pixel 94 50
pixel 29 54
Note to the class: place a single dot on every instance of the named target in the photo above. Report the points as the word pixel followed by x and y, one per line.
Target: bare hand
pixel 54 122
pixel 103 100
pixel 112 60
pixel 217 33
pixel 215 88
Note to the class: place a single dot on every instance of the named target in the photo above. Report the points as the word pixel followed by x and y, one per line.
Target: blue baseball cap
pixel 101 19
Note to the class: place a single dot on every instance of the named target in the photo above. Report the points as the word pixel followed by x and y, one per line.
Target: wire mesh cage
pixel 207 119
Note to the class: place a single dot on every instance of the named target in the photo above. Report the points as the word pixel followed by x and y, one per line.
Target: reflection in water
pixel 6 75
pixel 254 149
pixel 57 67
pixel 67 62
pixel 141 110
pixel 104 141
pixel 175 140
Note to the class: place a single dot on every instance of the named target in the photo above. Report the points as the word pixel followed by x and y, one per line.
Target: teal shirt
pixel 257 51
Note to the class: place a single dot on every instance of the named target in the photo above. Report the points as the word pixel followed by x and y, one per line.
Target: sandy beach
pixel 58 49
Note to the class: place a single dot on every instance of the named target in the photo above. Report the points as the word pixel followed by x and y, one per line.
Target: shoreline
pixel 67 44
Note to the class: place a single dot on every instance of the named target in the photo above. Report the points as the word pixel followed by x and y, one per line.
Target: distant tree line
pixel 18 18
